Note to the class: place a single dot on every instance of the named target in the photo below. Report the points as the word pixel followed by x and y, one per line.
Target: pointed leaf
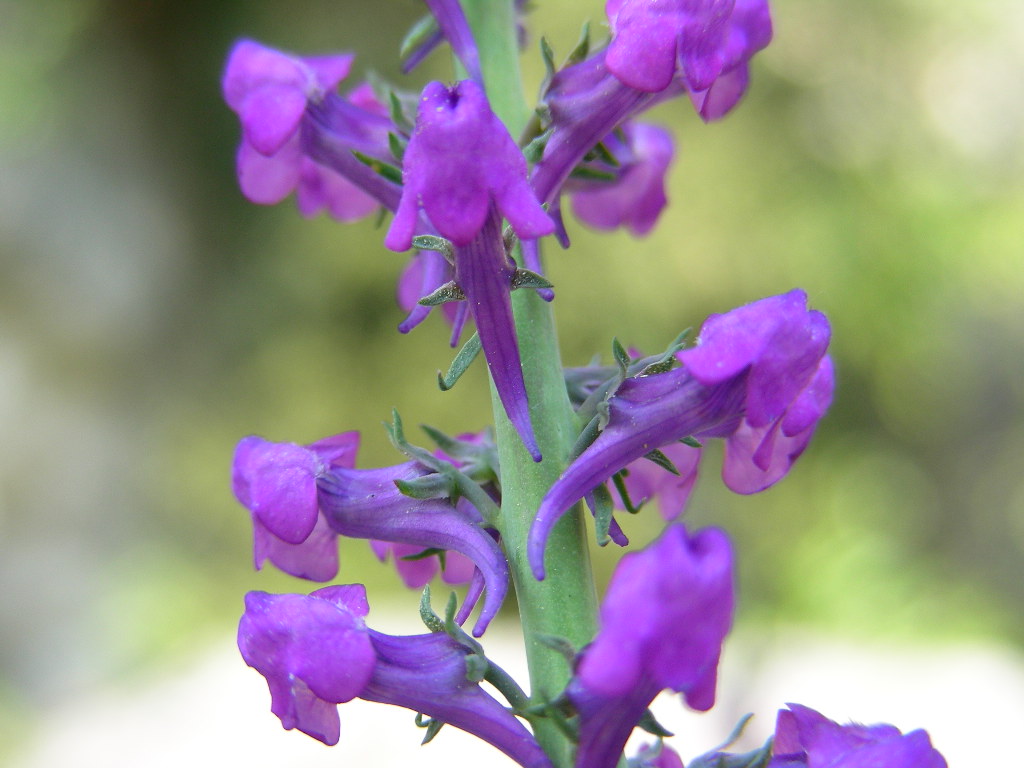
pixel 462 361
pixel 450 291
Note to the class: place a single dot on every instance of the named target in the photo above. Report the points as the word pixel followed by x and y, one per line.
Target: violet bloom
pixel 663 620
pixel 276 482
pixel 303 497
pixel 271 92
pixel 316 652
pixel 807 739
pixel 636 197
pixel 698 41
pixel 465 171
pixel 758 377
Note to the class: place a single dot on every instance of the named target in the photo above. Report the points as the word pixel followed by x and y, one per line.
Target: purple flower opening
pixel 276 482
pixel 759 377
pixel 316 652
pixel 460 161
pixel 807 739
pixel 663 620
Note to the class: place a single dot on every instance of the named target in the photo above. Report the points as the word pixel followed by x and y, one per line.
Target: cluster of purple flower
pixel 759 378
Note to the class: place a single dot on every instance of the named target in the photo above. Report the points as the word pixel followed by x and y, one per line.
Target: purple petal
pixel 277 482
pixel 315 559
pixel 268 180
pixel 270 116
pixel 484 273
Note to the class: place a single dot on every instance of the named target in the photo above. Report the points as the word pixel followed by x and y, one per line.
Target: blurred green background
pixel 150 317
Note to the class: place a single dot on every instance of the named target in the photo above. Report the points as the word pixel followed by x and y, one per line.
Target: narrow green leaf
pixel 582 49
pixel 397 146
pixel 388 171
pixel 430 619
pixel 421 31
pixel 450 291
pixel 622 358
pixel 431 486
pixel 524 278
pixel 603 509
pixel 662 461
pixel 462 361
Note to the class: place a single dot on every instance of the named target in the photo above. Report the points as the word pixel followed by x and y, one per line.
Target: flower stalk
pixel 564 604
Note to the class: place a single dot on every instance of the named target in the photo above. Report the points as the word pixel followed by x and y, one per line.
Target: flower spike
pixel 759 377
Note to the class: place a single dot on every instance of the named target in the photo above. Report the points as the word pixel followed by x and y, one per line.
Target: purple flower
pixel 460 162
pixel 465 171
pixel 759 377
pixel 303 497
pixel 298 134
pixel 663 620
pixel 807 739
pixel 637 196
pixel 276 482
pixel 271 92
pixel 701 40
pixel 316 652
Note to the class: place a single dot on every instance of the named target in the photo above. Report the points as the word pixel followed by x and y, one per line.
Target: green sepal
pixel 397 113
pixel 462 484
pixel 758 758
pixel 582 49
pixel 462 361
pixel 667 360
pixel 450 291
pixel 476 668
pixel 429 552
pixel 548 56
pixel 388 171
pixel 418 33
pixel 430 619
pixel 534 151
pixel 662 461
pixel 621 356
pixel 433 486
pixel 601 152
pixel 650 724
pixel 587 436
pixel 435 243
pixel 524 278
pixel 397 145
pixel 691 441
pixel 432 726
pixel 603 509
pixel 619 478
pixel 560 645
pixel 585 173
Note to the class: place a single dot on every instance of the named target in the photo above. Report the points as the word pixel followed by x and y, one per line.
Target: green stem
pixel 564 604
